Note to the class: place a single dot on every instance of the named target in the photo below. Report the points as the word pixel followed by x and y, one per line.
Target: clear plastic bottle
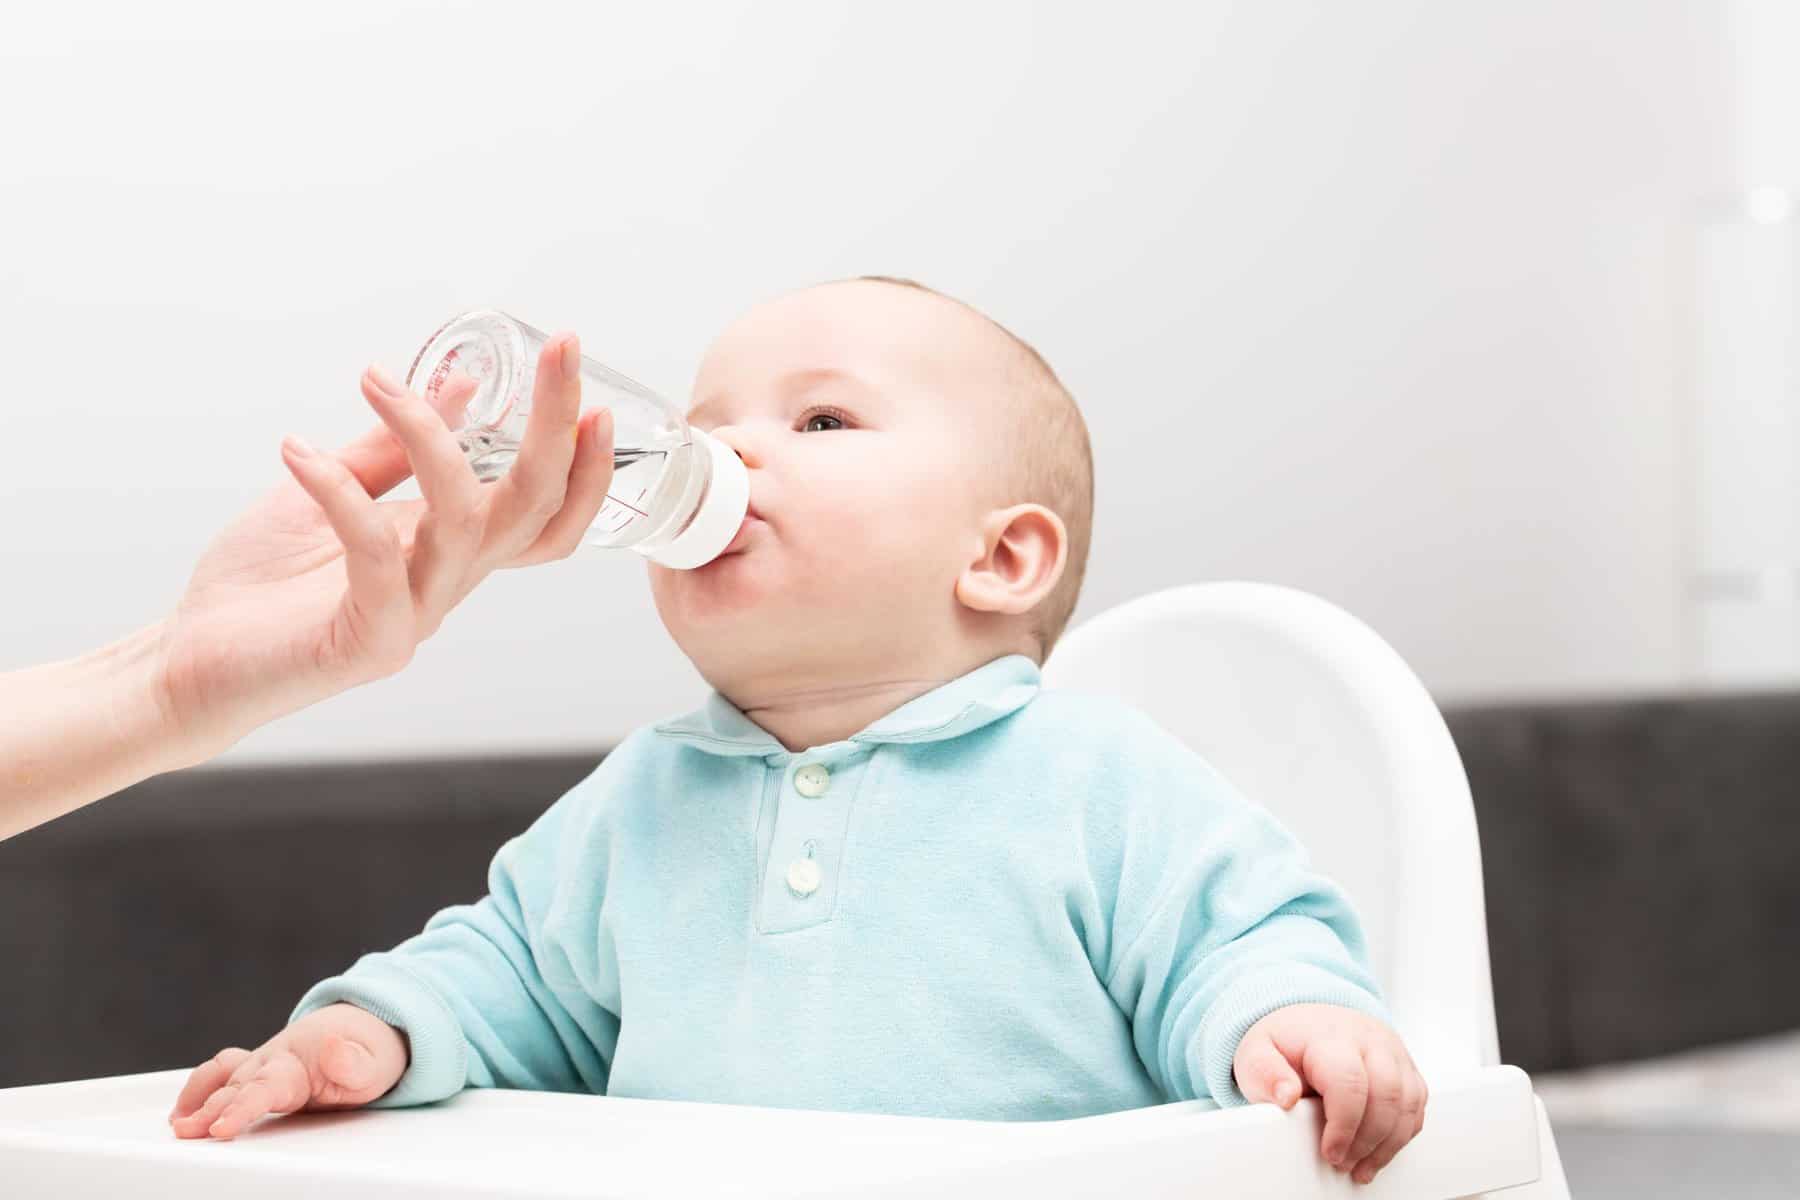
pixel 678 495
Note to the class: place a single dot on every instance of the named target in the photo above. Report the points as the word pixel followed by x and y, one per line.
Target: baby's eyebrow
pixel 795 380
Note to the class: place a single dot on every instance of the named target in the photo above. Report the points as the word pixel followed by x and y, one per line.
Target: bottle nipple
pixel 720 512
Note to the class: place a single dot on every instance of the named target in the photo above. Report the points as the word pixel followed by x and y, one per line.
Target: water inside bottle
pixel 649 484
pixel 647 481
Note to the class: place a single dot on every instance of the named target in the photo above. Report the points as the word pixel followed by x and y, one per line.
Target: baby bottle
pixel 678 495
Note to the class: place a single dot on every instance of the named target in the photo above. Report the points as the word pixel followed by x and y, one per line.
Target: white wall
pixel 1373 299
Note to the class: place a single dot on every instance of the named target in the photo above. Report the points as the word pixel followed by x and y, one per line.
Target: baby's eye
pixel 820 420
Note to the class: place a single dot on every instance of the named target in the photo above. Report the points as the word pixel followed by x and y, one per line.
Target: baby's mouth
pixel 739 542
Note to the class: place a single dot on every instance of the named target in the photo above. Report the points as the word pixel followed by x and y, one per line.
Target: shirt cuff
pixel 381 987
pixel 1249 1001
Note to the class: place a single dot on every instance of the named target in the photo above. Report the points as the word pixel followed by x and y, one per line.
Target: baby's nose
pixel 738 444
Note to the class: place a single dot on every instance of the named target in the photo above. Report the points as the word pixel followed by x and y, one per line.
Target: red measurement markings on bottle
pixel 441 372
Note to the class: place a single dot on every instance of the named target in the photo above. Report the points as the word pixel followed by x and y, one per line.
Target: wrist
pixel 354 1021
pixel 137 668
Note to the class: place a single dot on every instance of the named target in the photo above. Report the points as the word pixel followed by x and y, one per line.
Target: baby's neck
pixel 815 701
pixel 800 718
pixel 826 701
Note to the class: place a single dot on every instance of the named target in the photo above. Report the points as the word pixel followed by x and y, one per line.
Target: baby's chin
pixel 730 620
pixel 735 590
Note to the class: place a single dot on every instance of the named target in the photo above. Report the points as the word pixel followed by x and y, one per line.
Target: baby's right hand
pixel 336 1057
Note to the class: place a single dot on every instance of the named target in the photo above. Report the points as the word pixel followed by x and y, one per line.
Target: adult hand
pixel 317 588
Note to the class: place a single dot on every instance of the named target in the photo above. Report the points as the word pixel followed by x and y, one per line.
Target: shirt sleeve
pixel 1219 920
pixel 483 995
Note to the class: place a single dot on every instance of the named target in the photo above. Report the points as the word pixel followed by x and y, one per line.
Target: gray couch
pixel 1639 860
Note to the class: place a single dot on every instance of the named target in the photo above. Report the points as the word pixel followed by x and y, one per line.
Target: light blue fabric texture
pixel 1029 905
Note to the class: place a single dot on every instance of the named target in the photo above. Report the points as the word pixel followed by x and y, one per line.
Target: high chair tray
pixel 110 1137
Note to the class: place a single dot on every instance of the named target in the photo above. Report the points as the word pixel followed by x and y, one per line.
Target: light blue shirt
pixel 994 902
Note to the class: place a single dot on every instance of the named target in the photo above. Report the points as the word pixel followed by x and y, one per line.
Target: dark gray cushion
pixel 1640 861
pixel 190 912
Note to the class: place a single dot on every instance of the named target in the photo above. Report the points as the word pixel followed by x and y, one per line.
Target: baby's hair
pixel 1054 461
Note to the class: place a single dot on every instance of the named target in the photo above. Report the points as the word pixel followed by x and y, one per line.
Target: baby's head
pixel 921 490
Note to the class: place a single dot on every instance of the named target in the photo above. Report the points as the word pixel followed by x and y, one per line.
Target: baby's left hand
pixel 1374 1097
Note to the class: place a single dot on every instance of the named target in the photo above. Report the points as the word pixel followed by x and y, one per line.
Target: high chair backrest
pixel 1310 714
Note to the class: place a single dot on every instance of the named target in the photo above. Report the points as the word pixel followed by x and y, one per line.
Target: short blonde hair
pixel 1054 462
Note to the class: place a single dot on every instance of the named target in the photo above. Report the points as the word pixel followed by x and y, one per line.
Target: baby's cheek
pixel 912 534
pixel 880 527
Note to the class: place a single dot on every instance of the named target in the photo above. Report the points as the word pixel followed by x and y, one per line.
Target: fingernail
pixel 383 380
pixel 298 448
pixel 571 355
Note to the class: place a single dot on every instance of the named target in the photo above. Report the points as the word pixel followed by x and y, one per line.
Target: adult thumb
pixel 1264 1073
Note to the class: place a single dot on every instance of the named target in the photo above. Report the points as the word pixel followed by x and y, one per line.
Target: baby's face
pixel 865 415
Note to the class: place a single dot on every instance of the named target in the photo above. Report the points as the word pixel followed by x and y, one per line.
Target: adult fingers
pixel 1264 1073
pixel 373 558
pixel 1335 1070
pixel 377 458
pixel 588 480
pixel 205 1080
pixel 440 465
pixel 532 490
pixel 449 537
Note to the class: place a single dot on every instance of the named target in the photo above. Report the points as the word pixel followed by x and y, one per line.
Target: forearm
pixel 470 993
pixel 77 730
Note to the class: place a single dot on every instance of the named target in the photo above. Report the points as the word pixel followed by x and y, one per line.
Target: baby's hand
pixel 337 1057
pixel 1374 1097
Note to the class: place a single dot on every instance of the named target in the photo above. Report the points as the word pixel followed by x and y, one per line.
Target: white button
pixel 812 780
pixel 803 877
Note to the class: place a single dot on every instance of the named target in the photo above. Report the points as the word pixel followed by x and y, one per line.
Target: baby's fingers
pixel 1411 1120
pixel 1335 1069
pixel 205 1080
pixel 197 1123
pixel 1387 1093
pixel 281 1086
pixel 1263 1072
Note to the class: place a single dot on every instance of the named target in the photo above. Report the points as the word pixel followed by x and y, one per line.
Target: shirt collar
pixel 964 704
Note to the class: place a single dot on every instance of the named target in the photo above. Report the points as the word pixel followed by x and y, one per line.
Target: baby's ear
pixel 1023 551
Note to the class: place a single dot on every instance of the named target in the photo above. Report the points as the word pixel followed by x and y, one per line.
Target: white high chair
pixel 1301 706
pixel 1310 713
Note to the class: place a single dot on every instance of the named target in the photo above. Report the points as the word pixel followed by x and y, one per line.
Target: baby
pixel 879 870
